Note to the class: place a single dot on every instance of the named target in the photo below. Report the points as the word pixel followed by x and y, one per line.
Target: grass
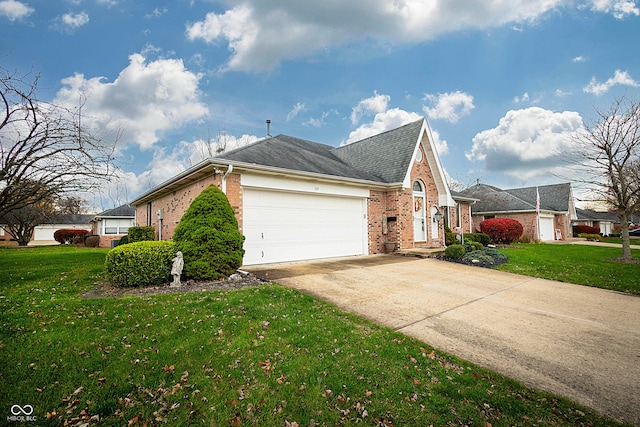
pixel 265 356
pixel 580 264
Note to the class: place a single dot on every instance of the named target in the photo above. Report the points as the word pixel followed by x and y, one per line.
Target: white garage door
pixel 281 226
pixel 547 231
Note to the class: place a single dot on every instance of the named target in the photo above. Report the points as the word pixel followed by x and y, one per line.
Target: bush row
pixel 473 254
pixel 66 235
pixel 584 229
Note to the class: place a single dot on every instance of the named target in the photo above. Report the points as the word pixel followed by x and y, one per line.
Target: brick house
pixel 296 200
pixel 551 221
pixel 112 224
pixel 43 233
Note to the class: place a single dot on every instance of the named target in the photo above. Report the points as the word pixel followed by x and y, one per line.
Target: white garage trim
pixel 290 226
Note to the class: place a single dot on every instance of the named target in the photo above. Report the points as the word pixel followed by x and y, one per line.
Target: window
pixel 116 226
pixel 417 187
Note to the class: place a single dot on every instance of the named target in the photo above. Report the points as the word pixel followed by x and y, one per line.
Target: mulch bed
pixel 237 281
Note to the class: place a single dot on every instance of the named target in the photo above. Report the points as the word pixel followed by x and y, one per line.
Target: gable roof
pixel 123 211
pixel 554 198
pixel 592 215
pixel 302 155
pixel 383 160
pixel 387 155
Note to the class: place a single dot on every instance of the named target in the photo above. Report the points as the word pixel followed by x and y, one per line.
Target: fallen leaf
pixel 169 368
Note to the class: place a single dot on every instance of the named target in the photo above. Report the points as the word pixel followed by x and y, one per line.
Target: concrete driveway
pixel 576 341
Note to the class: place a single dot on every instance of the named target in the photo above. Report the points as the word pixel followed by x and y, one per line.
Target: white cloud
pixel 74 20
pixel 579 58
pixel 146 99
pixel 526 143
pixel 375 104
pixel 260 34
pixel 523 98
pixel 620 9
pixel 297 109
pixel 15 10
pixel 619 78
pixel 449 106
pixel 383 122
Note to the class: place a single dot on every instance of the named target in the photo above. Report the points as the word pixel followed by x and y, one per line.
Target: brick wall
pixel 397 206
pixel 176 203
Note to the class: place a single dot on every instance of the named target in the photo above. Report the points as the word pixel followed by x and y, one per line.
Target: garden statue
pixel 176 269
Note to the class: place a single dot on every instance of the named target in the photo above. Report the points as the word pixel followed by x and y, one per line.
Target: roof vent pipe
pixel 268 128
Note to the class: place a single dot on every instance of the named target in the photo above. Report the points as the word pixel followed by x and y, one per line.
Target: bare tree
pixel 44 149
pixel 606 158
pixel 21 222
pixel 71 205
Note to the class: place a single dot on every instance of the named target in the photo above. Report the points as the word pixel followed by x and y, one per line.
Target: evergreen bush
pixel 478 237
pixel 92 241
pixel 141 234
pixel 209 238
pixel 478 257
pixel 454 251
pixel 146 263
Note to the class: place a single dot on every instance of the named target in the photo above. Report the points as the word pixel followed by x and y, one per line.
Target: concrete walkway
pixel 576 341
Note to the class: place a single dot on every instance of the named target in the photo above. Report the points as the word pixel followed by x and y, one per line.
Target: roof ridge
pixel 377 135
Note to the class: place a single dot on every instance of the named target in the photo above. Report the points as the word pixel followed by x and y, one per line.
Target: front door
pixel 419 220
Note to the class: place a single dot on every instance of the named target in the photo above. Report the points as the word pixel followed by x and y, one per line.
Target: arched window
pixel 419 212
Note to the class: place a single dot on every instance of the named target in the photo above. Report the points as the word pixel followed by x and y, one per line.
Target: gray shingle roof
pixel 387 155
pixel 492 199
pixel 120 211
pixel 380 158
pixel 590 214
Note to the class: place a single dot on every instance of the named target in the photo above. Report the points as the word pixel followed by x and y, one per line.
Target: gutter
pixel 224 178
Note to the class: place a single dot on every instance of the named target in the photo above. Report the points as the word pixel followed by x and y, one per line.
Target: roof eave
pixel 209 166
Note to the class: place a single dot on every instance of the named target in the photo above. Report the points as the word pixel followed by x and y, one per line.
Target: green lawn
pixel 263 356
pixel 580 264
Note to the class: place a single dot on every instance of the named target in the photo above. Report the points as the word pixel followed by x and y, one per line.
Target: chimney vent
pixel 268 128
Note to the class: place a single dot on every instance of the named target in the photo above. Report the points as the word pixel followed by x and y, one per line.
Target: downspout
pixel 224 178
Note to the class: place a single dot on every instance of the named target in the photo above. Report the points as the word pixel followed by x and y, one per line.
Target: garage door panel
pixel 281 226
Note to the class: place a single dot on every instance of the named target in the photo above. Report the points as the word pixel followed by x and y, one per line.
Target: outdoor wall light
pixel 437 217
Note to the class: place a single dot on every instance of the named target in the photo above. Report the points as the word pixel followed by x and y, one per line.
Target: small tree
pixel 209 238
pixel 502 230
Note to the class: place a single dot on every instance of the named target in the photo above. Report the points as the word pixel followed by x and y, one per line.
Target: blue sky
pixel 502 84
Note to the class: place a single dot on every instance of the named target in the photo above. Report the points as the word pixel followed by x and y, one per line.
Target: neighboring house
pixel 296 199
pixel 112 224
pixel 552 221
pixel 604 221
pixel 43 233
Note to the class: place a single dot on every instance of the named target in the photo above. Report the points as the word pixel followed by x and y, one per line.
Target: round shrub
pixel 66 235
pixel 123 240
pixel 454 251
pixel 502 230
pixel 209 238
pixel 145 263
pixel 478 237
pixel 92 241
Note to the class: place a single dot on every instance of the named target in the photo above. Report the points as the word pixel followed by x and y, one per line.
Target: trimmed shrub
pixel 450 237
pixel 77 240
pixel 478 237
pixel 588 236
pixel 141 234
pixel 584 229
pixel 145 263
pixel 66 235
pixel 455 251
pixel 208 237
pixel 92 241
pixel 502 230
pixel 123 240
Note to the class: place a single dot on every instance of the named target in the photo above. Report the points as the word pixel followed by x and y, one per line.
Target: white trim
pixel 249 180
